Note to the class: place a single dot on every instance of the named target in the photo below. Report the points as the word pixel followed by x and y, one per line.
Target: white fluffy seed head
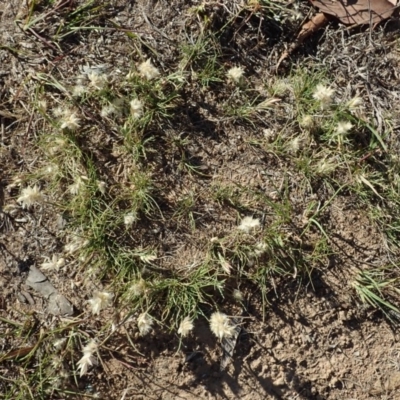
pixel 29 196
pixel 249 223
pixel 148 70
pixel 343 127
pixel 88 359
pixel 269 135
pixel 220 325
pixel 294 145
pixel 137 288
pixel 144 323
pixel 98 80
pixel 70 120
pixel 136 108
pixel 324 95
pixel 75 243
pixel 307 121
pixel 77 186
pixel 260 248
pixel 235 74
pixel 51 169
pixel 326 166
pixel 129 219
pixel 57 145
pixel 58 344
pixel 99 301
pixel 54 263
pixel 113 108
pixel 238 295
pixel 185 326
pixel 58 111
pixel 90 348
pixel 107 110
pixel 78 90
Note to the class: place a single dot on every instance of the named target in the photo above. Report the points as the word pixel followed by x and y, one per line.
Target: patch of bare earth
pixel 315 340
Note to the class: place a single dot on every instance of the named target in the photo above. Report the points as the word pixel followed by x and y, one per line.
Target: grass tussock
pixel 149 167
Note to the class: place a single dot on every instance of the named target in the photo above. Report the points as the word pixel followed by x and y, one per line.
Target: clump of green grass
pixel 107 215
pixel 378 288
pixel 104 146
pixel 104 213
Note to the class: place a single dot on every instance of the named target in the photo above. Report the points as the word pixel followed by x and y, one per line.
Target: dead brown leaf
pixel 13 354
pixel 357 12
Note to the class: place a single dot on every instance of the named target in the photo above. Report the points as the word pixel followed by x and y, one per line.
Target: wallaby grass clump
pixel 156 233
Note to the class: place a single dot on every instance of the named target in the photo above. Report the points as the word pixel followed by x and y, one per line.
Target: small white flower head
pixel 78 90
pixel 144 323
pixel 326 166
pixel 75 244
pixel 294 145
pixel 249 223
pixel 343 128
pixel 57 145
pixel 29 196
pixel 58 344
pixel 238 295
pixel 100 301
pixel 136 108
pixel 185 327
pixel 51 169
pixel 69 120
pixel 85 362
pixel 148 70
pixel 279 87
pixel 138 288
pixel 307 121
pixel 97 80
pixel 324 95
pixel 354 103
pixel 235 74
pixel 101 186
pixel 129 219
pixel 88 358
pixel 77 186
pixel 90 348
pixel 55 361
pixel 58 111
pixel 53 264
pixel 269 135
pixel 108 110
pixel 220 325
pixel 114 108
pixel 260 249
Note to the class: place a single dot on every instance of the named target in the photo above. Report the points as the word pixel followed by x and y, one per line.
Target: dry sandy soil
pixel 316 340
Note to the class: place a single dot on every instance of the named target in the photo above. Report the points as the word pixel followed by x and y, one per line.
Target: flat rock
pixel 58 304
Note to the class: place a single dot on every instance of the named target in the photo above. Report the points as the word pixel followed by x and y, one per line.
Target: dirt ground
pixel 316 340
